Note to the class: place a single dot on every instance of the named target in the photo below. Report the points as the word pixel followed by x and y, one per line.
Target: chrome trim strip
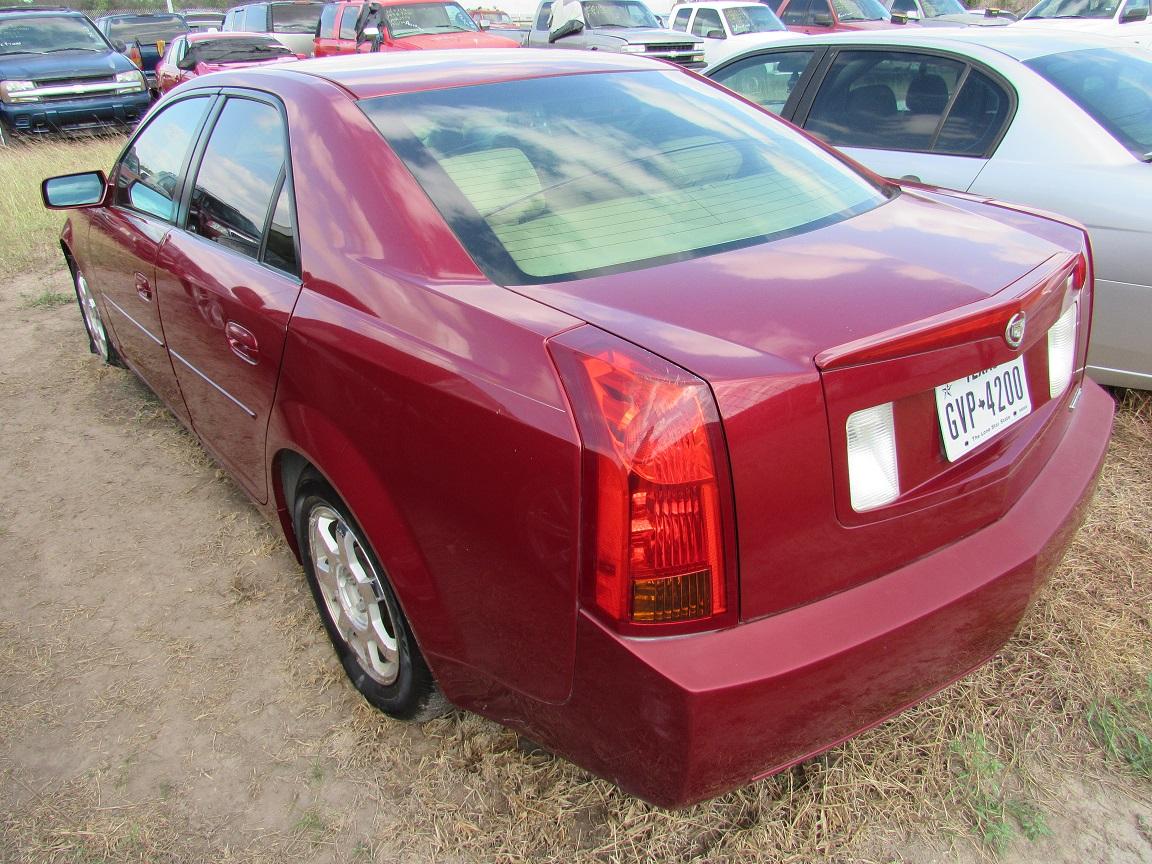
pixel 240 404
pixel 147 332
pixel 90 89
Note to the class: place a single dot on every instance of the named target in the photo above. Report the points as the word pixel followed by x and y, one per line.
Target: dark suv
pixel 58 74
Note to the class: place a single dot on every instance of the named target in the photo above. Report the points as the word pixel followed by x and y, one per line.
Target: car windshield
pixel 493 17
pixel 147 28
pixel 752 19
pixel 39 34
pixel 618 13
pixel 295 17
pixel 1114 85
pixel 243 50
pixel 860 10
pixel 1073 9
pixel 545 182
pixel 936 8
pixel 417 18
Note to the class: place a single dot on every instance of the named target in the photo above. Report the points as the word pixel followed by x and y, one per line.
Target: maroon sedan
pixel 600 402
pixel 200 53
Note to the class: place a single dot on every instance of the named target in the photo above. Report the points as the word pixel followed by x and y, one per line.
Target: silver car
pixel 1054 122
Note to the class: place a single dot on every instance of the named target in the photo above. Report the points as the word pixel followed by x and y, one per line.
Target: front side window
pixel 348 22
pixel 1113 85
pixel 627 170
pixel 239 175
pixel 766 79
pixel 707 24
pixel 752 19
pixel 796 12
pixel 889 100
pixel 41 34
pixel 148 174
pixel 326 28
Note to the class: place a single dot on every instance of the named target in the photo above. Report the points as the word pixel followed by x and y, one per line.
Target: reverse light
pixel 18 91
pixel 1062 350
pixel 655 474
pixel 130 82
pixel 873 476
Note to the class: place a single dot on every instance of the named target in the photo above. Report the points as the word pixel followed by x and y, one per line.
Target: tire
pixel 359 609
pixel 98 342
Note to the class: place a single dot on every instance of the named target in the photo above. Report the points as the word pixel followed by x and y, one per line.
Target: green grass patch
pixel 47 300
pixel 1125 730
pixel 997 817
pixel 29 233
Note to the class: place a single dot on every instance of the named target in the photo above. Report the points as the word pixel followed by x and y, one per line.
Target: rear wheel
pixel 360 612
pixel 97 334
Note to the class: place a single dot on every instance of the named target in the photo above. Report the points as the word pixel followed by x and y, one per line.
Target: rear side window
pixel 148 175
pixel 295 17
pixel 242 173
pixel 898 100
pixel 326 29
pixel 626 171
pixel 1113 85
pixel 766 79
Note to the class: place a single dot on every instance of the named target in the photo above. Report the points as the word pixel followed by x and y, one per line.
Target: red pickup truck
pixel 400 25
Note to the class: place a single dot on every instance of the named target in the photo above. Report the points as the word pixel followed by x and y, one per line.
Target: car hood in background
pixel 785 301
pixel 64 65
pixel 648 35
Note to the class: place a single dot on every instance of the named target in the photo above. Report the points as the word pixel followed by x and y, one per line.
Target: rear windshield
pixel 561 178
pixel 295 17
pixel 1114 85
pixel 40 34
pixel 153 28
pixel 243 50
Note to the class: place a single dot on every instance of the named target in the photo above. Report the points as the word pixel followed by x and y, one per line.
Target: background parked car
pixel 1121 19
pixel 493 19
pixel 617 26
pixel 292 22
pixel 1060 122
pixel 201 53
pixel 401 25
pixel 58 73
pixel 510 384
pixel 947 13
pixel 145 37
pixel 824 16
pixel 727 26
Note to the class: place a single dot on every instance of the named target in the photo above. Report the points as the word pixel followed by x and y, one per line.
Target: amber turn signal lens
pixel 673 598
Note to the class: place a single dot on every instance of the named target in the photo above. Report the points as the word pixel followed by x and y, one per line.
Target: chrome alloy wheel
pixel 92 317
pixel 352 593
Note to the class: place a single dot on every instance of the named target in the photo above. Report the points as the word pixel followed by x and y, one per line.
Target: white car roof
pixel 980 42
pixel 716 4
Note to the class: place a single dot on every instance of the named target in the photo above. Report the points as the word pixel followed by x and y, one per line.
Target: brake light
pixel 656 484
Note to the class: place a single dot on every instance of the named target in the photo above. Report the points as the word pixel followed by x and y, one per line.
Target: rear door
pixel 125 238
pixel 910 114
pixel 229 280
pixel 326 43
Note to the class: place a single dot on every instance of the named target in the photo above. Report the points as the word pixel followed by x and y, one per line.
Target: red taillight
pixel 656 473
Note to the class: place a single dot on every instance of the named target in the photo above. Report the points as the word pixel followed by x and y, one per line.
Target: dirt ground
pixel 167 694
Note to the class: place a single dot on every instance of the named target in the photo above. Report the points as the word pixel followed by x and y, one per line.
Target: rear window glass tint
pixel 294 18
pixel 627 170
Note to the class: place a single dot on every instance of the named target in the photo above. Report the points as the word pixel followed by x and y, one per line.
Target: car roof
pixel 1019 44
pixel 366 76
pixel 138 16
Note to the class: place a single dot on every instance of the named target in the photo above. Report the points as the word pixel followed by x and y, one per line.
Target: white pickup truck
pixel 617 26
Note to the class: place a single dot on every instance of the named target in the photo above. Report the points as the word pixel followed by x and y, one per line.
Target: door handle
pixel 143 288
pixel 909 178
pixel 242 342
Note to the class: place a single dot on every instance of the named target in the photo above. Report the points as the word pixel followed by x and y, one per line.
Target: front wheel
pixel 97 334
pixel 361 615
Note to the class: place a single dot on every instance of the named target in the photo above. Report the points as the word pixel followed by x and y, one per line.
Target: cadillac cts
pixel 600 402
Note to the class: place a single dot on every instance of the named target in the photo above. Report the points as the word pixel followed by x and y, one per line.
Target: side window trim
pixel 185 167
pixel 192 170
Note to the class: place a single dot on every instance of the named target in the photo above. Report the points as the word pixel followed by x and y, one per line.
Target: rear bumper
pixel 76 114
pixel 679 720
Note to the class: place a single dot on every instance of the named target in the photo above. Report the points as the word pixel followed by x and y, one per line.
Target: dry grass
pixel 28 232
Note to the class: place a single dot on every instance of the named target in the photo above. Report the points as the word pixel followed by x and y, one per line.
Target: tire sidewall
pixel 405 696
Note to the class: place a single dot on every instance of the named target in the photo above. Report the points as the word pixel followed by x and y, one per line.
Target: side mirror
pixel 371 33
pixel 573 25
pixel 1131 15
pixel 71 191
pixel 912 15
pixel 822 19
pixel 715 34
pixel 483 25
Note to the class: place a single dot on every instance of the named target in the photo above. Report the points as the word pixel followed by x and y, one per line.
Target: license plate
pixel 977 407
